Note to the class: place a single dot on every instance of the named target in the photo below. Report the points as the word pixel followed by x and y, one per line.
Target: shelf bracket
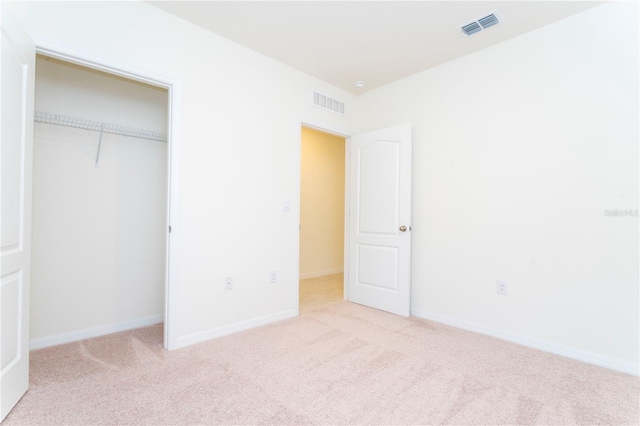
pixel 99 145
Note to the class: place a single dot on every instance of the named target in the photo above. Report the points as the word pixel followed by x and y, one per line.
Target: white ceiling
pixel 374 41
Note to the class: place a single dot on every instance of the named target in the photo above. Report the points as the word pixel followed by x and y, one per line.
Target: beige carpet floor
pixel 340 363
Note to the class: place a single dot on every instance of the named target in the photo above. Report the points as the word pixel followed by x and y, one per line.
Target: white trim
pixel 317 274
pixel 554 348
pixel 88 333
pixel 174 87
pixel 335 132
pixel 173 217
pixel 347 216
pixel 234 328
pixel 89 60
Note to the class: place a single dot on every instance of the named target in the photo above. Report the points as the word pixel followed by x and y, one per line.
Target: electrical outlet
pixel 228 283
pixel 502 287
pixel 273 277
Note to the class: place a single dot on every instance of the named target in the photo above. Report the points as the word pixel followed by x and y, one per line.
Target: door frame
pixel 173 85
pixel 347 206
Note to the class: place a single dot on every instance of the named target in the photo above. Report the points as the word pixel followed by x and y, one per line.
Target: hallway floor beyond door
pixel 321 291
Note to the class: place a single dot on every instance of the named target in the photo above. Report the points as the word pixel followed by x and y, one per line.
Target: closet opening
pixel 101 198
pixel 322 218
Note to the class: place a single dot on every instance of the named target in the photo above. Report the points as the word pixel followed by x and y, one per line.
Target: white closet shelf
pixel 80 123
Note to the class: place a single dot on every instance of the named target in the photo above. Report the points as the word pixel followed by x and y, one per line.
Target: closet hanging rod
pixel 79 123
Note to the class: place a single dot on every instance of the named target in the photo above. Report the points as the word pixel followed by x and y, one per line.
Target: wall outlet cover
pixel 502 287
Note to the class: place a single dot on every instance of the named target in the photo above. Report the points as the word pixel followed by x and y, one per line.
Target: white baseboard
pixel 577 354
pixel 87 333
pixel 316 274
pixel 234 328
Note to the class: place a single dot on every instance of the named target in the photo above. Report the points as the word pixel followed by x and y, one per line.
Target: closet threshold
pixel 115 129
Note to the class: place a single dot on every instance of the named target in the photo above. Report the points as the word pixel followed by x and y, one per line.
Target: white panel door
pixel 379 258
pixel 18 73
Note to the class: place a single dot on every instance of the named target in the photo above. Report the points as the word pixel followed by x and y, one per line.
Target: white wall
pixel 321 204
pixel 98 233
pixel 518 151
pixel 240 153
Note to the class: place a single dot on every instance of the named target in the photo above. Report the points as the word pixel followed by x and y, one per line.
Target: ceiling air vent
pixel 480 24
pixel 489 21
pixel 326 102
pixel 471 28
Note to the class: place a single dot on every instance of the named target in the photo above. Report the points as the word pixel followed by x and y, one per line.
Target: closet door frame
pixel 173 85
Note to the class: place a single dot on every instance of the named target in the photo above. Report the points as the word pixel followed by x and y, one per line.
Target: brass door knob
pixel 403 228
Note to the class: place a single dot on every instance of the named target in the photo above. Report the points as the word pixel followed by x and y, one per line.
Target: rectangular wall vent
pixel 480 24
pixel 326 102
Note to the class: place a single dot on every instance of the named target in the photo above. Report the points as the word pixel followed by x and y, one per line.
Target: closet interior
pixel 99 204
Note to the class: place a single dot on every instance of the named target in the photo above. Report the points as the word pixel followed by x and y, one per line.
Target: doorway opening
pixel 322 218
pixel 100 255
